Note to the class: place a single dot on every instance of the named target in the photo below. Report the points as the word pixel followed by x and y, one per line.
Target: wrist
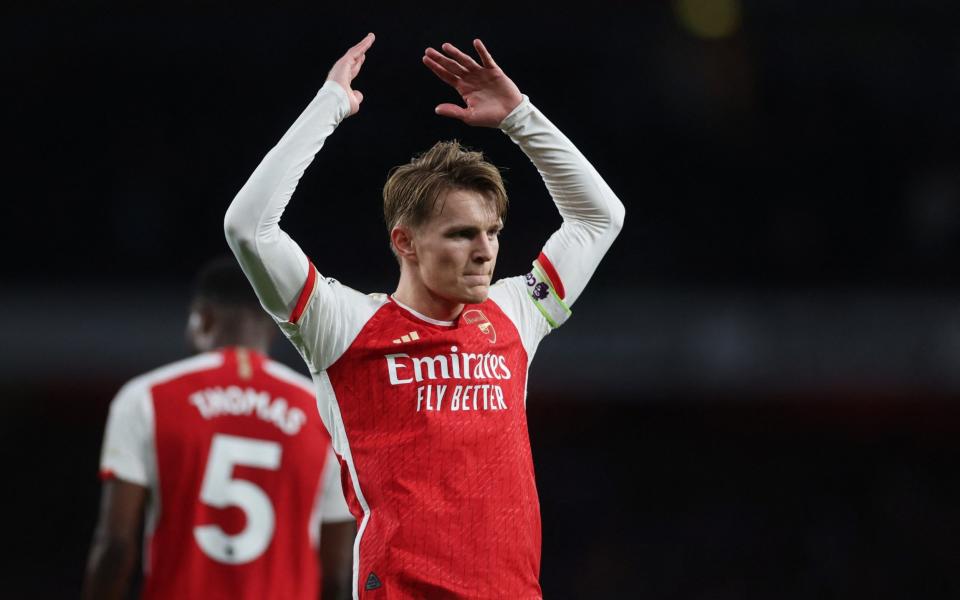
pixel 515 116
pixel 332 86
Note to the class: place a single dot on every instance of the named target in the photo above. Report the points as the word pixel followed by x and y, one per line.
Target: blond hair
pixel 414 191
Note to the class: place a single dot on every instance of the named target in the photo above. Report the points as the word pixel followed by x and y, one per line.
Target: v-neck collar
pixel 421 316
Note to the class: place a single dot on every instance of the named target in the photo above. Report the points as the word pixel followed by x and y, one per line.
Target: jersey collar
pixel 420 316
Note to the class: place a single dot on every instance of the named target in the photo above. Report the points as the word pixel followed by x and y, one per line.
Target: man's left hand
pixel 488 93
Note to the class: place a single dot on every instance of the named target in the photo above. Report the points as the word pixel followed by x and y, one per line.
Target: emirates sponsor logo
pixel 403 368
pixel 484 369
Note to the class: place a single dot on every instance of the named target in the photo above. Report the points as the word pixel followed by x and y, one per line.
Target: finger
pixel 448 64
pixel 448 77
pixel 464 59
pixel 363 45
pixel 358 95
pixel 359 63
pixel 451 110
pixel 485 57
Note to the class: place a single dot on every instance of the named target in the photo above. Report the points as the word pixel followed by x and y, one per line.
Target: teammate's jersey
pixel 428 417
pixel 240 473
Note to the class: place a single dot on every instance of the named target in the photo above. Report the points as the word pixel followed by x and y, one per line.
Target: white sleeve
pixel 319 315
pixel 592 213
pixel 128 442
pixel 512 296
pixel 333 508
pixel 274 263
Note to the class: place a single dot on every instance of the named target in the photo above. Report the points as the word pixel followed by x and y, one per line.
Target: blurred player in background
pixel 424 390
pixel 222 462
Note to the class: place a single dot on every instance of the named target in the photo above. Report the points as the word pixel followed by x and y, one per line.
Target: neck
pixel 243 337
pixel 258 348
pixel 421 299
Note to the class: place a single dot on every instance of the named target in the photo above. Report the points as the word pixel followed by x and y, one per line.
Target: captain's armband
pixel 546 290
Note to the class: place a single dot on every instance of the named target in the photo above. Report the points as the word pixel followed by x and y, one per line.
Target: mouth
pixel 474 279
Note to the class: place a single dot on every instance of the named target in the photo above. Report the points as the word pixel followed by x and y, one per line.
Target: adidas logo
pixel 373 582
pixel 410 337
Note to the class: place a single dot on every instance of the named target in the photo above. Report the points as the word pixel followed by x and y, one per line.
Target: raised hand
pixel 347 67
pixel 488 93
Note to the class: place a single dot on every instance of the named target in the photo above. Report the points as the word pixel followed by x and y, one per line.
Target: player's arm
pixel 274 263
pixel 336 558
pixel 116 541
pixel 337 534
pixel 125 469
pixel 592 214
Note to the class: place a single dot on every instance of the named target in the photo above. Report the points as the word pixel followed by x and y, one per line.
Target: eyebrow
pixel 471 228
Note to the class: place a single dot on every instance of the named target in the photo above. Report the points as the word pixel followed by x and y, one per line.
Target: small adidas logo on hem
pixel 373 582
pixel 410 337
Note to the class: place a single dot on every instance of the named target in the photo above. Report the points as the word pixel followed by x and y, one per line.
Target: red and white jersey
pixel 240 474
pixel 428 417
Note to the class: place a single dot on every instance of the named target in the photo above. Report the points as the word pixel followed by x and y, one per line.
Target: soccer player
pixel 424 390
pixel 226 457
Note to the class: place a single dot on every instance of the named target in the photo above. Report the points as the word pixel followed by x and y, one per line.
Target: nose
pixel 483 250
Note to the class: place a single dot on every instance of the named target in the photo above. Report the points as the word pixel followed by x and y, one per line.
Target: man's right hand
pixel 345 69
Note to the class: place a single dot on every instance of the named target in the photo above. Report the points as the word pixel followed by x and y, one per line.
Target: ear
pixel 206 319
pixel 199 326
pixel 404 242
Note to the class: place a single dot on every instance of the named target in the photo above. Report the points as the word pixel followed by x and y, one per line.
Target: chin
pixel 476 296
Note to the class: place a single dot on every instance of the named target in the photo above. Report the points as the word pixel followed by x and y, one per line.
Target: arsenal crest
pixel 476 317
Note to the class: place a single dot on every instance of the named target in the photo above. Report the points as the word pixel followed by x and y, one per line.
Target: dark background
pixel 757 395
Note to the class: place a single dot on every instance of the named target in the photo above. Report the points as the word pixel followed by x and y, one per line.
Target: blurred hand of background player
pixel 347 67
pixel 489 94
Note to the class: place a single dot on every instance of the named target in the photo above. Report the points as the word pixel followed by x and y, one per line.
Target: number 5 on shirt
pixel 221 490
